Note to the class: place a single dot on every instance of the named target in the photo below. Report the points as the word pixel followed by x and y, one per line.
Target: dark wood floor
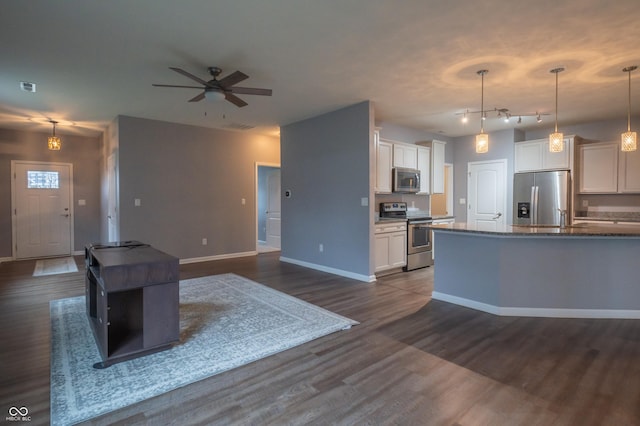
pixel 410 361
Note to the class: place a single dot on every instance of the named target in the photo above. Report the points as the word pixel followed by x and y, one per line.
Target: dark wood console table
pixel 132 300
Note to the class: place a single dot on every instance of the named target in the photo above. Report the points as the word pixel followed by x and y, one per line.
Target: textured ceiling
pixel 416 60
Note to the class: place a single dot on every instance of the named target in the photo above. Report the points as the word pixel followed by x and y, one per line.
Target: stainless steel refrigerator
pixel 539 197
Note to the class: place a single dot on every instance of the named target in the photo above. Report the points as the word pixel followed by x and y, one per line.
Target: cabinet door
pixel 599 168
pixel 405 156
pixel 384 154
pixel 528 156
pixel 557 160
pixel 629 178
pixel 382 245
pixel 424 165
pixel 397 249
pixel 437 167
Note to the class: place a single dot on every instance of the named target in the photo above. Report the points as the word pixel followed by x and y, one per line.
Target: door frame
pixel 257 193
pixel 14 231
pixel 505 178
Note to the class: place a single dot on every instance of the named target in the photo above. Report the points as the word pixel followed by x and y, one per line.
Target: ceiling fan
pixel 224 87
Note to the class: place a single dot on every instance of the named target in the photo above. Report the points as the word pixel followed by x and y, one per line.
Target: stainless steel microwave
pixel 406 180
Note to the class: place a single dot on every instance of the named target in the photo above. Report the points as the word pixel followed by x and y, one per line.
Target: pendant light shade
pixel 556 139
pixel 629 138
pixel 54 143
pixel 482 139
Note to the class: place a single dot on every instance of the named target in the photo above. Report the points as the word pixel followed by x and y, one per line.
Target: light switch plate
pixel 137 202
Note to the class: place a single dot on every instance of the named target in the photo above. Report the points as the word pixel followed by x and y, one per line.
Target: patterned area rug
pixel 225 321
pixel 61 265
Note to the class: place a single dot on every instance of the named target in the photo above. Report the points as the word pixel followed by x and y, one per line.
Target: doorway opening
pixel 268 220
pixel 442 204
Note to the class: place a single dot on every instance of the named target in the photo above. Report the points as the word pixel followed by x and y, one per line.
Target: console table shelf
pixel 132 298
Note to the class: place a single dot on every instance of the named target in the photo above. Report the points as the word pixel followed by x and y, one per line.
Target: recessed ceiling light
pixel 27 87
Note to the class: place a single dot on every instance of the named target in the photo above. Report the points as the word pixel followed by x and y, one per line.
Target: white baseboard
pixel 342 273
pixel 218 257
pixel 538 312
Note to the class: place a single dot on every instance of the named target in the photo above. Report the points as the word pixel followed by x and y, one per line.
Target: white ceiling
pixel 415 59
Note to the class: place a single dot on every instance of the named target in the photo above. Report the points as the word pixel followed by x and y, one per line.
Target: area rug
pixel 61 265
pixel 225 321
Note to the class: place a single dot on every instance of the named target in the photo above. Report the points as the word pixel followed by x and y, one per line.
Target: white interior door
pixel 486 194
pixel 273 208
pixel 42 209
pixel 112 199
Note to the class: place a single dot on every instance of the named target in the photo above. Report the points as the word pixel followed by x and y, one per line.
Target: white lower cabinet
pixel 390 246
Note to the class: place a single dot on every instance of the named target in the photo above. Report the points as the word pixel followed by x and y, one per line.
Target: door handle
pixel 497 216
pixel 65 215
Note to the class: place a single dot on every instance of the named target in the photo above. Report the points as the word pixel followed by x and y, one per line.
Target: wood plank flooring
pixel 411 361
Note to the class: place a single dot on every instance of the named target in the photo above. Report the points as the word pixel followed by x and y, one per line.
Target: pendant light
pixel 556 139
pixel 629 138
pixel 482 139
pixel 54 142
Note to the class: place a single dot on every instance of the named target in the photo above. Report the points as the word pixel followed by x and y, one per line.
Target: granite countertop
pixel 609 218
pixel 442 217
pixel 389 220
pixel 580 230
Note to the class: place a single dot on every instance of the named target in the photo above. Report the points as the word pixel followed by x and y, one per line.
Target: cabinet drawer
pixel 395 227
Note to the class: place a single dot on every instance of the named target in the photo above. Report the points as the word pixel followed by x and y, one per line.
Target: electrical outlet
pixel 321 248
pixel 204 242
pixel 585 203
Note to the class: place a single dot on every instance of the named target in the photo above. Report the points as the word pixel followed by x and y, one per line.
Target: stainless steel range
pixel 418 234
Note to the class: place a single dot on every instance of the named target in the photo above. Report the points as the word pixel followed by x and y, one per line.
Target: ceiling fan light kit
pixel 214 89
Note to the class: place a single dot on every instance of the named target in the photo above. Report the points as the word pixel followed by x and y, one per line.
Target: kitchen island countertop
pixel 578 230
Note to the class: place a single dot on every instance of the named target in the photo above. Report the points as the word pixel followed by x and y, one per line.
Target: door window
pixel 37 179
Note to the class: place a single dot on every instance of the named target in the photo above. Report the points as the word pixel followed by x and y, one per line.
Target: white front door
pixel 486 194
pixel 273 209
pixel 42 209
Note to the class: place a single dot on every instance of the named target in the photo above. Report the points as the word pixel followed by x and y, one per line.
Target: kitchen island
pixel 582 271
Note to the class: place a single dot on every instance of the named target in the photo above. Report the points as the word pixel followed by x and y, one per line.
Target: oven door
pixel 418 236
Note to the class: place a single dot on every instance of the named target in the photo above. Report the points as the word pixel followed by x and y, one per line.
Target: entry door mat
pixel 60 265
pixel 225 321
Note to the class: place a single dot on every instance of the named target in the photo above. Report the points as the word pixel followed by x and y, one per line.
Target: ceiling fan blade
pixel 171 85
pixel 233 78
pixel 235 100
pixel 250 91
pixel 191 76
pixel 197 97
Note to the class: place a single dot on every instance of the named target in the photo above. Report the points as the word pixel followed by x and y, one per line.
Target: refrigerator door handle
pixel 534 205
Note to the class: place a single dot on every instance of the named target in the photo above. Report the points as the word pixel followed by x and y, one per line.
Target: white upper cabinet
pixel 437 167
pixel 604 169
pixel 405 155
pixel 424 165
pixel 531 156
pixel 598 168
pixel 629 171
pixel 384 156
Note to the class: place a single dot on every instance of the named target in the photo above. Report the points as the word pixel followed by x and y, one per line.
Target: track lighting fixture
pixel 556 139
pixel 629 138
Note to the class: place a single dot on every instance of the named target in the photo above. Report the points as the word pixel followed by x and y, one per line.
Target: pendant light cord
pixel 629 106
pixel 556 102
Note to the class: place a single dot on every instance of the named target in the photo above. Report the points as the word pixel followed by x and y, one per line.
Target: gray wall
pixel 82 152
pixel 326 164
pixel 190 181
